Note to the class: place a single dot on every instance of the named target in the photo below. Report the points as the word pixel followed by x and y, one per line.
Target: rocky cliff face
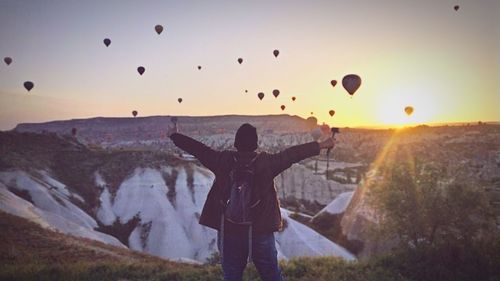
pixel 141 200
pixel 301 183
pixel 357 221
pixel 145 212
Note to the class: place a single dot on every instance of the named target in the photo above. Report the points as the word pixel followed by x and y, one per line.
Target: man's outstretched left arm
pixel 207 156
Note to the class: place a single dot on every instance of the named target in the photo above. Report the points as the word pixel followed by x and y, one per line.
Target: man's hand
pixel 172 128
pixel 327 143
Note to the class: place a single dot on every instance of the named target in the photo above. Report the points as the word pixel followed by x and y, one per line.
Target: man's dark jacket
pixel 267 218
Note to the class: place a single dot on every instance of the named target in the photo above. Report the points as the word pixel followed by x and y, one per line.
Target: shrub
pixel 445 231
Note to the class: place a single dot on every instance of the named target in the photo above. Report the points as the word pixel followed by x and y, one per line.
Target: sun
pixel 390 110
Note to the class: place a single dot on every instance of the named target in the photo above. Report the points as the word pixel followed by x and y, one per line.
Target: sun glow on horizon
pixel 390 110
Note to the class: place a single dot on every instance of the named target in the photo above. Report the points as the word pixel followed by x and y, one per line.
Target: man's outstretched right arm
pixel 207 156
pixel 284 159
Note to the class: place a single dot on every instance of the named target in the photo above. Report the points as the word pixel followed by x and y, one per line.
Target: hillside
pixel 29 252
pixel 154 127
pixel 144 200
pixel 25 242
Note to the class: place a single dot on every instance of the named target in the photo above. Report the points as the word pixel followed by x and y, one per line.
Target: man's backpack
pixel 242 198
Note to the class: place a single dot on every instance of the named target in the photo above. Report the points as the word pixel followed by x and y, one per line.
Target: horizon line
pixel 374 127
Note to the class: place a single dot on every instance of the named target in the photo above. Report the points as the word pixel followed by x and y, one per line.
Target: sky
pixel 444 63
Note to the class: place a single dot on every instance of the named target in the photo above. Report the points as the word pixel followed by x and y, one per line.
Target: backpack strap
pixel 250 244
pixel 253 160
pixel 235 158
pixel 222 238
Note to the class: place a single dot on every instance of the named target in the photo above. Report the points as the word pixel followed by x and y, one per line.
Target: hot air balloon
pixel 283 107
pixel 73 132
pixel 293 98
pixel 179 100
pixel 107 42
pixel 7 60
pixel 158 29
pixel 141 70
pixel 134 113
pixel 276 53
pixel 260 95
pixel 276 93
pixel 409 110
pixel 199 67
pixel 456 7
pixel 28 85
pixel 351 83
pixel 240 60
pixel 331 112
pixel 246 91
pixel 333 82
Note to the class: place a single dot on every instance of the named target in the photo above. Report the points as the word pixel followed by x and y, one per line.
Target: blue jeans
pixel 264 256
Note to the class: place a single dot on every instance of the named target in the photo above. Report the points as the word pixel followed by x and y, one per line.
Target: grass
pixel 31 253
pixel 304 269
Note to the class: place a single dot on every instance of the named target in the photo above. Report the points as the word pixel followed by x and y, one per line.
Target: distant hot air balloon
pixel 246 91
pixel 293 98
pixel 28 85
pixel 456 7
pixel 158 29
pixel 134 113
pixel 409 110
pixel 107 42
pixel 199 67
pixel 179 100
pixel 276 93
pixel 331 112
pixel 351 83
pixel 333 82
pixel 283 107
pixel 276 53
pixel 141 70
pixel 73 132
pixel 7 60
pixel 240 60
pixel 260 95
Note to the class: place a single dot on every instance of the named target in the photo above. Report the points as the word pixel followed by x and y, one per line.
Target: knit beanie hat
pixel 246 138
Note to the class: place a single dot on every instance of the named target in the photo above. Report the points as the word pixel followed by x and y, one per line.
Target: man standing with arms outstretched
pixel 242 204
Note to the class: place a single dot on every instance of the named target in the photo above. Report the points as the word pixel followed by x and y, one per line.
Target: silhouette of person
pixel 239 243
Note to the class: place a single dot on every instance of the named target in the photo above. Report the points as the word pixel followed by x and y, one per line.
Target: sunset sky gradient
pixel 444 63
